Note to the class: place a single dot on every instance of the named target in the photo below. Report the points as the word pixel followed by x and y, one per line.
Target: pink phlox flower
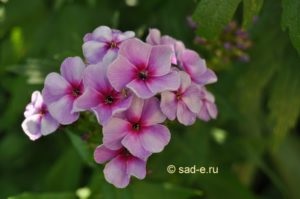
pixel 154 38
pixel 100 96
pixel 183 104
pixel 103 43
pixel 120 166
pixel 208 109
pixel 139 129
pixel 196 67
pixel 38 120
pixel 144 69
pixel 62 90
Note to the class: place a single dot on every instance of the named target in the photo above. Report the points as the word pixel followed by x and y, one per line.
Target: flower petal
pixel 103 113
pixel 32 126
pixel 95 77
pixel 203 114
pixel 61 110
pixel 193 64
pixel 185 81
pixel 120 72
pixel 184 115
pixel 113 133
pixel 168 104
pixel 133 144
pixel 208 77
pixel 136 167
pixel 212 110
pixel 192 98
pixel 160 60
pixel 122 104
pixel 37 99
pixel 89 99
pixel 102 33
pixel 72 70
pixel 169 82
pixel 155 138
pixel 30 110
pixel 103 154
pixel 153 37
pixel 134 112
pixel 115 172
pixel 94 51
pixel 136 51
pixel 55 87
pixel 152 113
pixel 48 124
pixel 125 35
pixel 140 88
pixel 88 37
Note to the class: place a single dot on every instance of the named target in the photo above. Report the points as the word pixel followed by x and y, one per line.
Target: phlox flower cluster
pixel 132 87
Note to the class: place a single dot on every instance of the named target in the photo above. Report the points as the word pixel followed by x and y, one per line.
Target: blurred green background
pixel 254 142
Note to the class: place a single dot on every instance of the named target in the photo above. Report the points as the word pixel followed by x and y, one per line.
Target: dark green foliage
pixel 254 142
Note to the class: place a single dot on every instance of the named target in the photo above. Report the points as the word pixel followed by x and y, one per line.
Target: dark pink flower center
pixel 143 75
pixel 125 154
pixel 178 95
pixel 76 90
pixel 113 44
pixel 136 126
pixel 43 110
pixel 109 99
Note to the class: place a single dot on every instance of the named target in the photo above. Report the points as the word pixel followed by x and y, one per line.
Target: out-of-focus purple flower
pixel 183 103
pixel 61 90
pixel 138 129
pixel 154 38
pixel 38 120
pixel 244 58
pixel 103 43
pixel 143 68
pixel 100 96
pixel 208 109
pixel 121 165
pixel 195 66
pixel 191 23
pixel 200 40
pixel 227 45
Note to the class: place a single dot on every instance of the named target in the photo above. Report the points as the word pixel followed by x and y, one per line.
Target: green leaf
pixel 291 21
pixel 251 9
pixel 82 148
pixel 44 196
pixel 287 162
pixel 65 173
pixel 284 102
pixel 213 15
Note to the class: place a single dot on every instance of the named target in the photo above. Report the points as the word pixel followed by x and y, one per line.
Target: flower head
pixel 138 129
pixel 154 38
pixel 61 90
pixel 103 43
pixel 143 68
pixel 183 103
pixel 208 109
pixel 100 96
pixel 121 165
pixel 38 120
pixel 195 66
